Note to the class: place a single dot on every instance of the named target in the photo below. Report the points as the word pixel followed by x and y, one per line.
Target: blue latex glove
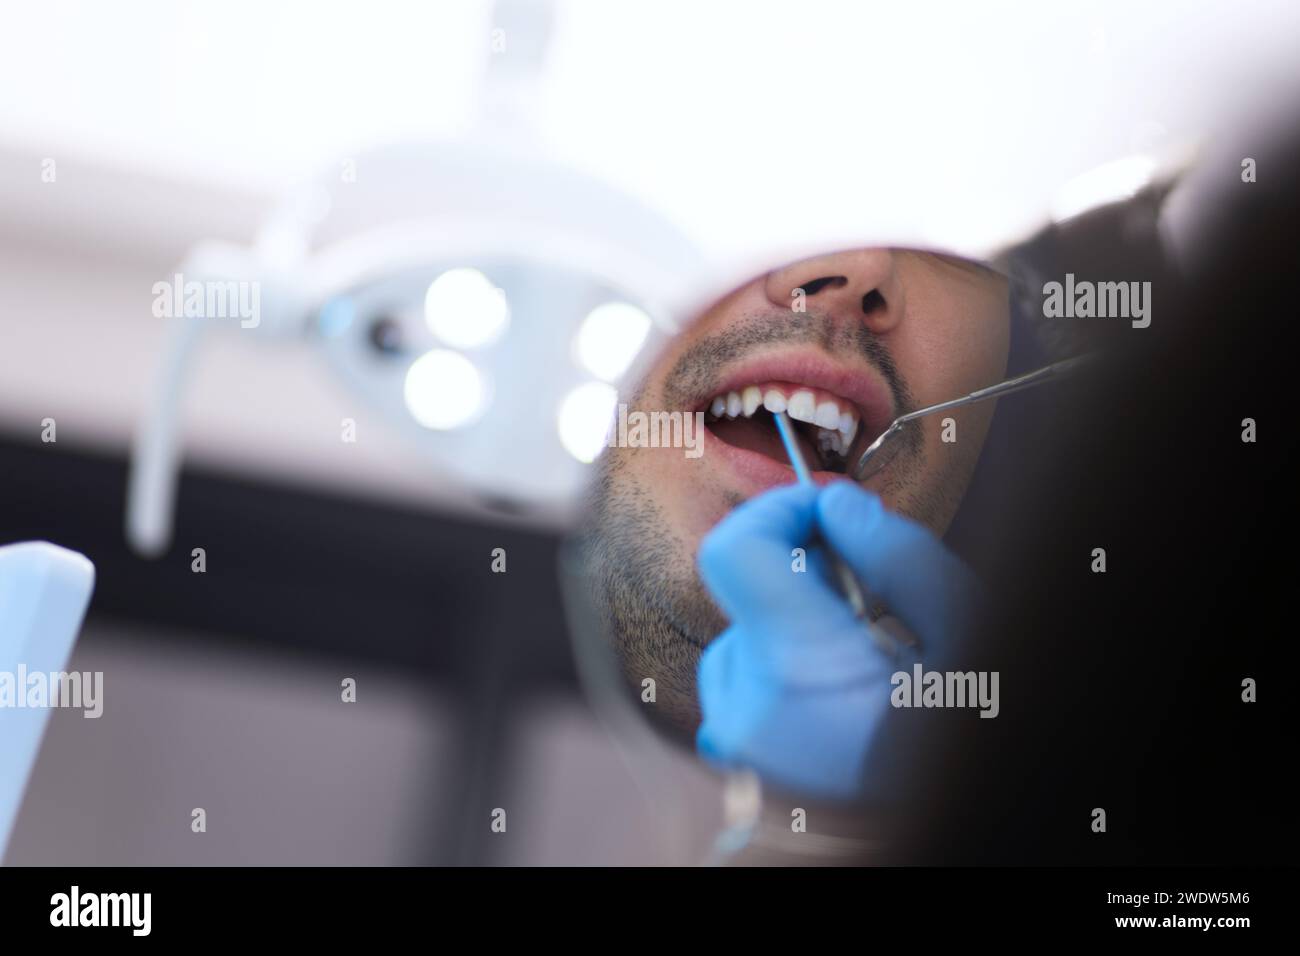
pixel 795 688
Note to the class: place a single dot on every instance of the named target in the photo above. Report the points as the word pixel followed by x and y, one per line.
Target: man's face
pixel 849 341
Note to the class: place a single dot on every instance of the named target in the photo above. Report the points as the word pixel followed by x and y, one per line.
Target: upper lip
pixel 861 385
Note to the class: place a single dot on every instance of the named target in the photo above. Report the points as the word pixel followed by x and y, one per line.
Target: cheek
pixel 958 347
pixel 952 352
pixel 685 498
pixel 956 438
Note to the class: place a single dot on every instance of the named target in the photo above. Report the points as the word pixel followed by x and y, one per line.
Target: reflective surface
pixel 843 344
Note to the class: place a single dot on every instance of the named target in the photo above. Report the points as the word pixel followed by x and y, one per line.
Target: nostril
pixel 816 285
pixel 873 301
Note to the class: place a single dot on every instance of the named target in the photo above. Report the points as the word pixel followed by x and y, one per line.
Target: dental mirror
pixel 842 346
pixel 877 456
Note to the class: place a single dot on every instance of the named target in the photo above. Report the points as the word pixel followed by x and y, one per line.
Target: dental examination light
pixel 483 297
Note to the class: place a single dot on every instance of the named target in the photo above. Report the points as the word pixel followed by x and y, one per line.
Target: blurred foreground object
pixel 44 591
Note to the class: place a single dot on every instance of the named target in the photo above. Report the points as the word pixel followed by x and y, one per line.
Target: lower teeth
pixel 829 442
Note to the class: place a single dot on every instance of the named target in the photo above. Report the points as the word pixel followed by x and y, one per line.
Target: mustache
pixel 702 365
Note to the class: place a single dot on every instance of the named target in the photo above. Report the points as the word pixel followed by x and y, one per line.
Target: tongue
pixel 759 434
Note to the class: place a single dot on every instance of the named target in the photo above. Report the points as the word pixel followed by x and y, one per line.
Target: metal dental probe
pixel 859 599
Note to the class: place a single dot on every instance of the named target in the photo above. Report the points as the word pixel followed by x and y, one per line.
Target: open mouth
pixel 828 427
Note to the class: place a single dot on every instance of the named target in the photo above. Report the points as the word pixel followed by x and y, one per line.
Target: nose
pixel 861 284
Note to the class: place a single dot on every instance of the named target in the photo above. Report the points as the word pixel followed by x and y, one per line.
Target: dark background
pixel 1123 690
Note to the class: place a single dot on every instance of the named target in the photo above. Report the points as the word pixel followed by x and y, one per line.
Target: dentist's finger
pixel 748 561
pixel 901 562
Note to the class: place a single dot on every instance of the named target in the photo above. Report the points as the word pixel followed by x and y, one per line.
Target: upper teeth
pixel 836 422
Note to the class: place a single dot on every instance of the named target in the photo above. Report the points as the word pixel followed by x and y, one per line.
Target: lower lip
pixel 758 471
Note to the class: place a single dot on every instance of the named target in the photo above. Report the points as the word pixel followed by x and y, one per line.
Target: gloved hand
pixel 795 688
